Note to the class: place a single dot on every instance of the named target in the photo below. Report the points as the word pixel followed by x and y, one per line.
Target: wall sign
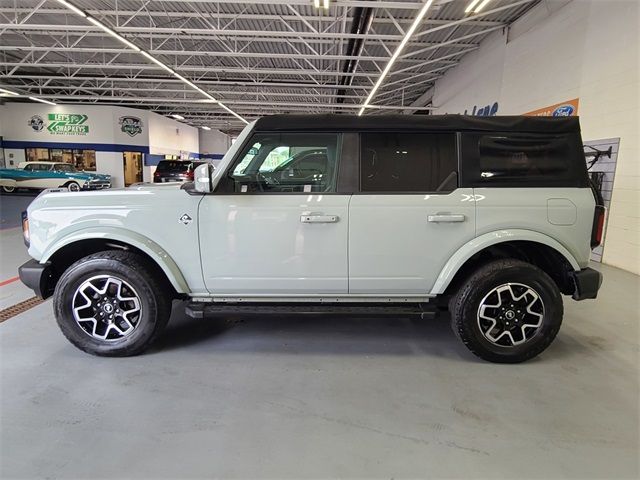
pixel 564 109
pixel 36 123
pixel 132 126
pixel 486 111
pixel 68 124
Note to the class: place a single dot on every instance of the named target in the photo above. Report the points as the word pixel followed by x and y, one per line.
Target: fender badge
pixel 186 219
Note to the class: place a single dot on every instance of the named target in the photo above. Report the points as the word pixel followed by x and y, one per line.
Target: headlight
pixel 25 229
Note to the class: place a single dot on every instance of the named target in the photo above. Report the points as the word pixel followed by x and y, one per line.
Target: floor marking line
pixel 7 282
pixel 19 308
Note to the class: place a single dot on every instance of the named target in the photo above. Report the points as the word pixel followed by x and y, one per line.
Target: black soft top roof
pixel 507 123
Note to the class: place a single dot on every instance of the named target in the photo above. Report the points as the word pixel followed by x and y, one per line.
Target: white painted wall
pixel 586 49
pixel 160 134
pixel 214 142
pixel 166 136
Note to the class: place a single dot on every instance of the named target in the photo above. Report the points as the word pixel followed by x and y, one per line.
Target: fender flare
pixel 146 245
pixel 458 259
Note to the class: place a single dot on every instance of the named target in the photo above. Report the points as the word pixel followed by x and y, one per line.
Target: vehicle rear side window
pixel 172 166
pixel 408 162
pixel 523 155
pixel 523 159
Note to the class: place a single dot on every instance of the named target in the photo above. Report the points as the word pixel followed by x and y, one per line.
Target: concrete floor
pixel 324 397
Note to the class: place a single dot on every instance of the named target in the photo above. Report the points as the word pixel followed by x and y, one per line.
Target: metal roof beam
pixel 229 16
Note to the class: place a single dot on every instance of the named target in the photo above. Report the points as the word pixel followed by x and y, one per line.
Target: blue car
pixel 42 175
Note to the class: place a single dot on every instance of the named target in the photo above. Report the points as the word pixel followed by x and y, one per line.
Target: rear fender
pixel 478 244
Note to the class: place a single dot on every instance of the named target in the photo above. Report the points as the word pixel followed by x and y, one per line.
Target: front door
pixel 276 225
pixel 408 217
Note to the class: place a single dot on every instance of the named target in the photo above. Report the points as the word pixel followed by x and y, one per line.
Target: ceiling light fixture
pixel 177 117
pixel 113 34
pixel 42 100
pixel 396 54
pixel 325 4
pixel 150 57
pixel 471 6
pixel 73 8
pixel 481 6
pixel 8 92
pixel 204 127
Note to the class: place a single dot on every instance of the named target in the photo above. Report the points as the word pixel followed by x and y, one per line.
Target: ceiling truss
pixel 259 57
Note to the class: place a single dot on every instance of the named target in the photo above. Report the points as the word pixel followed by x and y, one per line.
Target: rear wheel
pixel 8 189
pixel 508 311
pixel 112 304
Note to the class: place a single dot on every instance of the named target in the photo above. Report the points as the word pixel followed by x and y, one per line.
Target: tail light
pixel 598 226
pixel 190 174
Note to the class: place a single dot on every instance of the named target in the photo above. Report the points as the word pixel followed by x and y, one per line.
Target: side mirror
pixel 202 178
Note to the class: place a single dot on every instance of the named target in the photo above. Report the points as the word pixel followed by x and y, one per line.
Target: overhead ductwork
pixel 362 20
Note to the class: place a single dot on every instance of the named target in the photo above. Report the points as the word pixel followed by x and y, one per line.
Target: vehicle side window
pixel 286 163
pixel 408 162
pixel 28 168
pixel 523 160
pixel 522 155
pixel 63 167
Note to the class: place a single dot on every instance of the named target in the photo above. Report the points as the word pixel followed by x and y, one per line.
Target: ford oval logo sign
pixel 563 111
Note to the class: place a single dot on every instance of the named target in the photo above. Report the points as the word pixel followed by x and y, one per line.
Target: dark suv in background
pixel 175 171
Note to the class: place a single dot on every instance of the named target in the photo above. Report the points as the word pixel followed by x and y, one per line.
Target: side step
pixel 204 309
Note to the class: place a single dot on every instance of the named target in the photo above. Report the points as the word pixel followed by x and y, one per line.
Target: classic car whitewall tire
pixel 112 303
pixel 7 189
pixel 72 186
pixel 507 311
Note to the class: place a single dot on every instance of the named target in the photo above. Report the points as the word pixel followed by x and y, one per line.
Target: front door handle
pixel 318 218
pixel 446 218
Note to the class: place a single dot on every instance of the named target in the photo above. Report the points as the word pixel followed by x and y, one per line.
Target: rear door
pixel 409 216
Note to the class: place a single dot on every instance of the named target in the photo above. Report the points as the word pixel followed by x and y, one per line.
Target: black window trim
pixel 457 141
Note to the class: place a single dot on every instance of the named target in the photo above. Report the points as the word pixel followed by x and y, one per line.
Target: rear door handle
pixel 318 218
pixel 446 218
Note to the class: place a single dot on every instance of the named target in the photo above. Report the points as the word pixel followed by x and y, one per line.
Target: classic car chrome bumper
pixel 96 185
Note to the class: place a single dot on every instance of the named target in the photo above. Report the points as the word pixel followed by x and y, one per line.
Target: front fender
pixel 472 247
pixel 148 246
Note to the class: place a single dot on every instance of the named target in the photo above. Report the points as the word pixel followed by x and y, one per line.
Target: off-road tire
pixel 152 288
pixel 464 306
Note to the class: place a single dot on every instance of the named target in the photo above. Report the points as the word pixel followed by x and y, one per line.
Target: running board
pixel 202 310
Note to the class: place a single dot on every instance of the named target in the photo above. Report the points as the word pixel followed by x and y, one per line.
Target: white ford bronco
pixel 493 218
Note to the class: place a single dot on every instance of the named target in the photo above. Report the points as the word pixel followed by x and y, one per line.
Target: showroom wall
pixel 109 131
pixel 557 52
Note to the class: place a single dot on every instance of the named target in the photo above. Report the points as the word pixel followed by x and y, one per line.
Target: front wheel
pixel 73 186
pixel 112 303
pixel 8 189
pixel 508 311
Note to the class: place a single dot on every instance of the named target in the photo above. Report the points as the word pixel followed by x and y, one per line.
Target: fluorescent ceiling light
pixel 316 3
pixel 481 6
pixel 471 6
pixel 73 8
pixel 150 57
pixel 42 100
pixel 8 92
pixel 204 127
pixel 98 24
pixel 326 4
pixel 177 117
pixel 396 54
